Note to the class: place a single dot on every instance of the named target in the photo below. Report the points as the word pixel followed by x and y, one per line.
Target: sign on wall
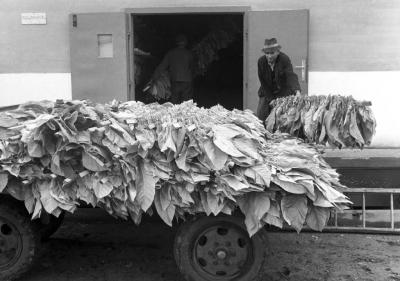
pixel 33 18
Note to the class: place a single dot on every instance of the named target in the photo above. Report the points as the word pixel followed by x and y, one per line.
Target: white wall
pixel 17 88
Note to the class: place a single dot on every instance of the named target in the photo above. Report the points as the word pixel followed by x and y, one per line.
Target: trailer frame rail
pixel 363 228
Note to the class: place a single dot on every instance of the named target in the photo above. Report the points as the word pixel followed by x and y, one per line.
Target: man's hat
pixel 271 44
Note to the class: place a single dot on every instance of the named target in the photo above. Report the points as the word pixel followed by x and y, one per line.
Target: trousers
pixel 181 91
pixel 263 108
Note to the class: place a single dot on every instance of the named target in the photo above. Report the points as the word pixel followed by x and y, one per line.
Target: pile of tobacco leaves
pixel 131 158
pixel 338 121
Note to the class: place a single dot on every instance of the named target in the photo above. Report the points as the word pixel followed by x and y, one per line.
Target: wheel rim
pixel 10 244
pixel 223 252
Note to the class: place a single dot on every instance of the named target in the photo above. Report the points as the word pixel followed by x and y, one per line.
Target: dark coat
pixel 179 64
pixel 287 81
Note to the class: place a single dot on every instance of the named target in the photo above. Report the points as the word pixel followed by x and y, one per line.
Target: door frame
pixel 130 12
pixel 188 10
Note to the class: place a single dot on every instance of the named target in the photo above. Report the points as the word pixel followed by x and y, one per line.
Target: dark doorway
pixel 221 82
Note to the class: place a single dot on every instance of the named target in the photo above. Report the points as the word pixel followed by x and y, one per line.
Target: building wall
pixel 354 49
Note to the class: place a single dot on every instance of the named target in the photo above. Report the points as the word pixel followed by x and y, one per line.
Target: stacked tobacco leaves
pixel 160 88
pixel 339 121
pixel 206 51
pixel 130 158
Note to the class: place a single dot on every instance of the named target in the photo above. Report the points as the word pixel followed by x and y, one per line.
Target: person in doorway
pixel 139 61
pixel 179 64
pixel 275 72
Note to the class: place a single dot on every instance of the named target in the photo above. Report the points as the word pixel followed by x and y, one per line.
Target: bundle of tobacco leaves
pixel 160 88
pixel 339 121
pixel 206 51
pixel 130 158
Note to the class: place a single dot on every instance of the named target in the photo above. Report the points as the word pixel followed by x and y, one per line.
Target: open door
pixel 290 28
pixel 98 45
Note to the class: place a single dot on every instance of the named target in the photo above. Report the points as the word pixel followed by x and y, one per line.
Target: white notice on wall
pixel 33 18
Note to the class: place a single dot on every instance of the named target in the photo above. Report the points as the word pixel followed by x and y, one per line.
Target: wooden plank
pixel 371 190
pixel 391 211
pixel 362 153
pixel 374 162
pixel 366 158
pixel 363 230
pixel 363 210
pixel 370 211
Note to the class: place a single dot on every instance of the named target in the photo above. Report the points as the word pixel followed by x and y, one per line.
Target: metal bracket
pixel 74 20
pixel 303 67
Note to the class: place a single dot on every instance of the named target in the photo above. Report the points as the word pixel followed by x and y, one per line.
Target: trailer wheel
pixel 219 248
pixel 50 224
pixel 19 239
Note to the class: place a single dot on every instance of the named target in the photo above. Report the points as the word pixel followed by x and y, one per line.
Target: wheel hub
pixel 222 253
pixel 10 243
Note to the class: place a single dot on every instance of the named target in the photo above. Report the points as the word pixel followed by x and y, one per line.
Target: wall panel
pixel 358 35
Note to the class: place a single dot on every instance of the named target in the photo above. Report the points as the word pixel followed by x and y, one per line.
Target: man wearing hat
pixel 276 75
pixel 179 64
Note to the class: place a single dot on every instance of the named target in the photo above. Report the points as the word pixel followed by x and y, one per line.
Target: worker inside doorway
pixel 179 64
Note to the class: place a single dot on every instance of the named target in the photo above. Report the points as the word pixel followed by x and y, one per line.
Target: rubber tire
pixel 49 228
pixel 188 232
pixel 15 212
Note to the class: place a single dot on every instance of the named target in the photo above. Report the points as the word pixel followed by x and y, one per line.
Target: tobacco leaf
pixel 317 217
pixel 254 206
pixel 294 210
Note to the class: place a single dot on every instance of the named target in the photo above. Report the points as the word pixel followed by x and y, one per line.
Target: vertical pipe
pixel 391 211
pixel 336 224
pixel 363 209
pixel 246 52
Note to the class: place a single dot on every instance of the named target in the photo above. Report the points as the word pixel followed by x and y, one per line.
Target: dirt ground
pixel 91 245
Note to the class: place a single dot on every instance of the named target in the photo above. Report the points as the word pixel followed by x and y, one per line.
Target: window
pixel 105 45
